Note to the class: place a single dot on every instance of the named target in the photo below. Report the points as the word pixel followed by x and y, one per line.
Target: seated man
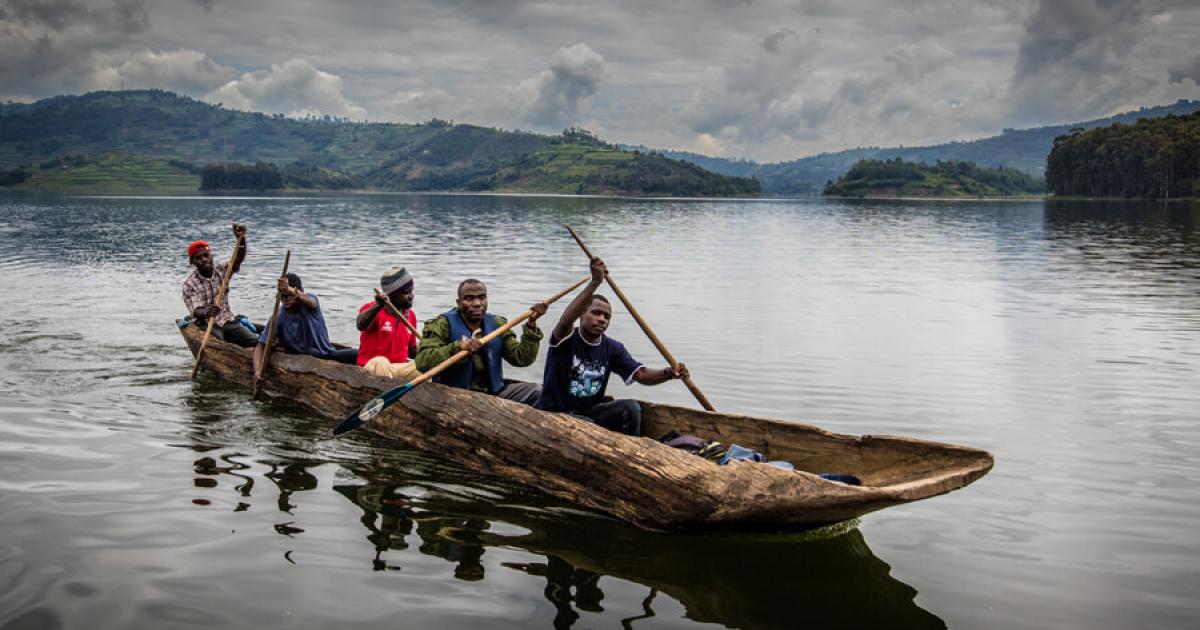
pixel 385 345
pixel 301 327
pixel 460 328
pixel 201 287
pixel 580 360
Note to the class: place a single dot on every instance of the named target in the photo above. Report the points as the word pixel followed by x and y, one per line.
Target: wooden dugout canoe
pixel 635 479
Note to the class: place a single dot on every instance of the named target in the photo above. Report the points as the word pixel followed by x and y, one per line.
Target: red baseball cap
pixel 196 247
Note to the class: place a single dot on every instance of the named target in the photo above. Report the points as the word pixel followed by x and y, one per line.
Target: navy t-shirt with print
pixel 577 371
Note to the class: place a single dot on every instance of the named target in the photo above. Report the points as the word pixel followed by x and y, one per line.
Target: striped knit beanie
pixel 395 279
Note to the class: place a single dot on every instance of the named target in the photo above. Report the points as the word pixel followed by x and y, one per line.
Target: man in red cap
pixel 202 285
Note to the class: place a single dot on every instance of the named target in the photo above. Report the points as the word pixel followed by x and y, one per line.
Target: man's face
pixel 403 300
pixel 203 261
pixel 289 301
pixel 472 302
pixel 595 319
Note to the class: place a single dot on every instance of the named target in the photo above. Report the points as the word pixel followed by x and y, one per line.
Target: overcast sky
pixel 761 79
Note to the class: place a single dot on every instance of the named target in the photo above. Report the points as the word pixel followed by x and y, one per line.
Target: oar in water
pixel 377 404
pixel 387 303
pixel 220 298
pixel 646 327
pixel 266 361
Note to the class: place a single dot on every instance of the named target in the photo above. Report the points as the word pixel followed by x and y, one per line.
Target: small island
pixel 896 178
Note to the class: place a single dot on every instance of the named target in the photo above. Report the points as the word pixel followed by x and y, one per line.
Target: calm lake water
pixel 1063 337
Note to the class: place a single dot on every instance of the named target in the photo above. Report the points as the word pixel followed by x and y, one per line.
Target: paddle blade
pixel 372 408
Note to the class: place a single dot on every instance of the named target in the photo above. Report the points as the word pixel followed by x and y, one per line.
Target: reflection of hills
pixel 825 578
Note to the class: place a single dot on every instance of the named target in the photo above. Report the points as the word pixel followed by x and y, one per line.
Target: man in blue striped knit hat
pixel 386 346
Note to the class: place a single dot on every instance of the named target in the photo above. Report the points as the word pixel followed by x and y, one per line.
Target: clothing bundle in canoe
pixel 635 479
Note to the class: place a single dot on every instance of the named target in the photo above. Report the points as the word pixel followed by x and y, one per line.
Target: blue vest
pixel 493 351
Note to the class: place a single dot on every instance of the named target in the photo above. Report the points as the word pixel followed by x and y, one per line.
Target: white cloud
pixel 294 88
pixel 185 71
pixel 557 97
pixel 420 105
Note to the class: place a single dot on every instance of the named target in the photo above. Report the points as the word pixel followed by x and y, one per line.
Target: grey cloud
pixel 126 16
pixel 207 5
pixel 1081 58
pixel 54 14
pixel 1187 68
pixel 774 42
pixel 555 96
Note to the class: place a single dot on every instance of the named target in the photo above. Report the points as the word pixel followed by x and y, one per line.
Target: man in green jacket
pixel 460 328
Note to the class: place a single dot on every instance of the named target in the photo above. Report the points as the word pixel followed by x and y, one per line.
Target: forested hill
pixel 1155 158
pixel 897 178
pixel 1022 149
pixel 437 155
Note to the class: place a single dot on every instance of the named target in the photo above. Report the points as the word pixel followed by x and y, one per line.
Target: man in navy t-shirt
pixel 581 359
pixel 301 327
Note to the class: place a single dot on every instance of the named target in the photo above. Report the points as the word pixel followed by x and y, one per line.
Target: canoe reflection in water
pixel 824 578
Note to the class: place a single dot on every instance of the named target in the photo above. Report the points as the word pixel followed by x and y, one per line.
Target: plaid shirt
pixel 200 291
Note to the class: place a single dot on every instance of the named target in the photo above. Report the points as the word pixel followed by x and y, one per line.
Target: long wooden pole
pixel 700 397
pixel 387 303
pixel 220 298
pixel 266 361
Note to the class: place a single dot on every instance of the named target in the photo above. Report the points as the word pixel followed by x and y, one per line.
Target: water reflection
pixel 414 503
pixel 745 581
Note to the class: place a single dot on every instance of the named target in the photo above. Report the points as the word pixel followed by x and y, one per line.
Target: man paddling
pixel 460 329
pixel 300 327
pixel 580 360
pixel 386 346
pixel 201 287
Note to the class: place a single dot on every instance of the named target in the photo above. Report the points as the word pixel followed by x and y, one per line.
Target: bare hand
pixel 538 309
pixel 239 230
pixel 598 270
pixel 212 310
pixel 381 299
pixel 284 288
pixel 681 373
pixel 470 344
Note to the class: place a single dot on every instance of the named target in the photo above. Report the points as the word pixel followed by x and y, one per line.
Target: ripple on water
pixel 1062 339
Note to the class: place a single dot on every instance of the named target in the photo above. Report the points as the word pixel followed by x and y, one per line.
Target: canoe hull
pixel 635 479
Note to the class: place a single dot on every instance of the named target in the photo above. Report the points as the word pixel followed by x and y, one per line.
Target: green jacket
pixel 437 346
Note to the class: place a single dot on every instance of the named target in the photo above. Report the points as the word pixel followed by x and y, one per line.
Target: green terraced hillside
pixel 112 174
pixel 333 153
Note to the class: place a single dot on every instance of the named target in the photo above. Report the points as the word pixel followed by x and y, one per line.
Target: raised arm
pixel 366 317
pixel 306 300
pixel 239 231
pixel 578 305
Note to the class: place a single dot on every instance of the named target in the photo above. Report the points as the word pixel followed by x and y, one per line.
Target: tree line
pixel 232 176
pixel 1157 158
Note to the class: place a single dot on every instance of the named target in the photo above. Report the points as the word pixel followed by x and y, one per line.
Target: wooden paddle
pixel 373 407
pixel 266 361
pixel 220 297
pixel 387 303
pixel 646 327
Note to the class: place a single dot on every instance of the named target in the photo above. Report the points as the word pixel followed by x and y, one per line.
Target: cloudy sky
pixel 761 79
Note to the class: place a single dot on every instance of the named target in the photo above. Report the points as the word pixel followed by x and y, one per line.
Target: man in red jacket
pixel 386 346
